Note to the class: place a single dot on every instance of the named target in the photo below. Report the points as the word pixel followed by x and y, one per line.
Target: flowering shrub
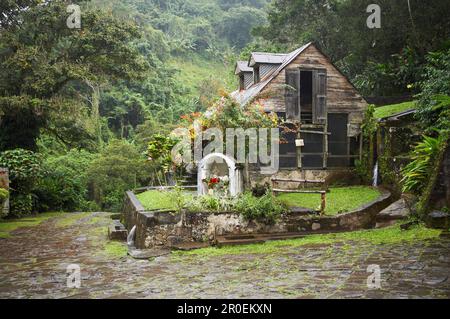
pixel 227 113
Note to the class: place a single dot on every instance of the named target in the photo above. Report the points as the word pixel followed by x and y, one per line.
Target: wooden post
pixel 360 146
pixel 299 151
pixel 323 203
pixel 325 145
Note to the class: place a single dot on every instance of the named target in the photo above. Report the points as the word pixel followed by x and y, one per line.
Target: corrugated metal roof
pixel 242 66
pixel 245 96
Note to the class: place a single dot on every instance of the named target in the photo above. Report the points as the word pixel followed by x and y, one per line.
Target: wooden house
pixel 323 109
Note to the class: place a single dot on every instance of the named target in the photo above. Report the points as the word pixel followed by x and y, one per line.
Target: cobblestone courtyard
pixel 33 265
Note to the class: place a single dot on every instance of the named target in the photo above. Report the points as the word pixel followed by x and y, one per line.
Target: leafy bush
pixel 25 170
pixel 266 208
pixel 208 203
pixel 416 173
pixel 159 150
pixel 65 183
pixel 118 168
pixel 21 205
pixel 4 194
pixel 434 102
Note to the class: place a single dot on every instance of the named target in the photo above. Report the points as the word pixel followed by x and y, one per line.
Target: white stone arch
pixel 235 175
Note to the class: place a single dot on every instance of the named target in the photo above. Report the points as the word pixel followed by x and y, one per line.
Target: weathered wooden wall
pixel 341 95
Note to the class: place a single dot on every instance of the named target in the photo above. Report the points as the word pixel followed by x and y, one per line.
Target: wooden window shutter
pixel 319 96
pixel 292 94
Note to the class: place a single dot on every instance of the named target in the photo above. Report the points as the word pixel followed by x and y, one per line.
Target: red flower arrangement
pixel 213 181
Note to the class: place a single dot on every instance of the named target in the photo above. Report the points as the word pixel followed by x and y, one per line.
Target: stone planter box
pixel 167 229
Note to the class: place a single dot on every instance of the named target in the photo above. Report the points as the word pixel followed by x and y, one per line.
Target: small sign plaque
pixel 300 143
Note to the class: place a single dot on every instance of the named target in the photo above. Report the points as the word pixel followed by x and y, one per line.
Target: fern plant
pixel 416 173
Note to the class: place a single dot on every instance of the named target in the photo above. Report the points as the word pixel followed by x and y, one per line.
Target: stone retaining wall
pixel 167 229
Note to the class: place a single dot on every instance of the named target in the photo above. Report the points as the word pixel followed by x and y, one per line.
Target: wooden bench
pixel 323 192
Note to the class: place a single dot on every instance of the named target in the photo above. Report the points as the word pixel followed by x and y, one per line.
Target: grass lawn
pixel 339 199
pixel 388 110
pixel 9 225
pixel 383 236
pixel 159 200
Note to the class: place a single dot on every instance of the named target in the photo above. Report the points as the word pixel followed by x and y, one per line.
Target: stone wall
pixel 167 229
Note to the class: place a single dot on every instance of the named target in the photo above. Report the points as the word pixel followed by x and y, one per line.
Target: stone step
pixel 398 210
pixel 261 238
pixel 190 246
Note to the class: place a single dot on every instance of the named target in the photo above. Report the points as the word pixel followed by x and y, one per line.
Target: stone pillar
pixel 4 183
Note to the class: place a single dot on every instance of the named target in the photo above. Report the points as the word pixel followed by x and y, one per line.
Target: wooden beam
pixel 298 180
pixel 315 132
pixel 276 190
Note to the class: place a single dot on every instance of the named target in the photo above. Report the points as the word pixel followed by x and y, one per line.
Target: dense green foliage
pixel 434 103
pixel 65 183
pixel 48 68
pixel 417 172
pixel 117 168
pixel 25 171
pixel 267 207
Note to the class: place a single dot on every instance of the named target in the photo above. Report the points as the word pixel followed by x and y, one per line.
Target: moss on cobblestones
pixel 115 249
pixel 8 226
pixel 390 235
pixel 71 219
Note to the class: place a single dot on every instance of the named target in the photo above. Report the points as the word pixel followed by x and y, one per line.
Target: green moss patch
pixel 390 235
pixel 159 199
pixel 71 219
pixel 339 199
pixel 388 110
pixel 115 249
pixel 8 226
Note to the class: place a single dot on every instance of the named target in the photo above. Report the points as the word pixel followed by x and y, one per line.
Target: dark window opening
pixel 306 96
pixel 241 82
pixel 256 75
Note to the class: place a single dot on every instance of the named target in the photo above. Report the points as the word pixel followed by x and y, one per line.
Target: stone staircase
pixel 188 179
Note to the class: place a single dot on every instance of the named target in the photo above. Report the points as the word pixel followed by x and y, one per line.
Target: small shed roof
pixel 242 66
pixel 243 97
pixel 397 116
pixel 266 58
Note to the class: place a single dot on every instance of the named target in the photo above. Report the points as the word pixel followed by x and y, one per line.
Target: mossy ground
pixel 9 225
pixel 390 235
pixel 339 199
pixel 115 249
pixel 71 219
